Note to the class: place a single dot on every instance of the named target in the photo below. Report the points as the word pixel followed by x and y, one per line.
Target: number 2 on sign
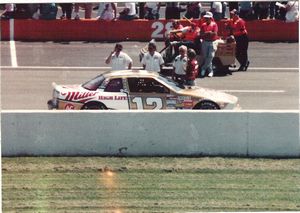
pixel 157 102
pixel 159 29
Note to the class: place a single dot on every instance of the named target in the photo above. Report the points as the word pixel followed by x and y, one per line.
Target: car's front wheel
pixel 207 105
pixel 94 106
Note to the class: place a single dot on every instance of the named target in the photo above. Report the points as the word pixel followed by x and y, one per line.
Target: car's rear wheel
pixel 94 106
pixel 207 105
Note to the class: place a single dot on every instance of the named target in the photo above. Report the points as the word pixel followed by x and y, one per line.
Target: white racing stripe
pixel 254 91
pixel 13 52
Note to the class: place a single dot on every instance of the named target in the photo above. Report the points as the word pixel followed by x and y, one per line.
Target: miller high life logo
pixel 79 96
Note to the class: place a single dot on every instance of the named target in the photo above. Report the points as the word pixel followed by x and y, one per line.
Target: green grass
pixel 95 184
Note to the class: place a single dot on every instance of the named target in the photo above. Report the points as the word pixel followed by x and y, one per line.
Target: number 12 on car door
pixel 141 103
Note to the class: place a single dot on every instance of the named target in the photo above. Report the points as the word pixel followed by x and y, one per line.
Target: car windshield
pixel 176 86
pixel 94 83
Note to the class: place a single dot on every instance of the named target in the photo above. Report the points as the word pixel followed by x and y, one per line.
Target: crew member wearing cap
pixel 238 30
pixel 118 59
pixel 209 33
pixel 152 60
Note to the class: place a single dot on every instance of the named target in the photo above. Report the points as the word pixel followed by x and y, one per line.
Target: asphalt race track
pixel 29 68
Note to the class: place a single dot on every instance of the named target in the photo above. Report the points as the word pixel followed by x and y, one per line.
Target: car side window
pixel 114 85
pixel 146 85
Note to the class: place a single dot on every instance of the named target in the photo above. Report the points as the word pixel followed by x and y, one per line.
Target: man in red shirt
pixel 209 34
pixel 189 36
pixel 175 34
pixel 238 30
pixel 188 33
pixel 191 68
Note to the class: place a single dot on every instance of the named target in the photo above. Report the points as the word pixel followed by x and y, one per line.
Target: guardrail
pixel 151 133
pixel 135 30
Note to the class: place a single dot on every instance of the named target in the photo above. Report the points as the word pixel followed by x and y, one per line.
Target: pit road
pixel 271 82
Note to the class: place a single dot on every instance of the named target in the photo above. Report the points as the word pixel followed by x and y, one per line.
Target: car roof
pixel 130 73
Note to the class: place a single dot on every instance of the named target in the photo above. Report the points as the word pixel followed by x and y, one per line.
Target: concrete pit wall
pixel 151 133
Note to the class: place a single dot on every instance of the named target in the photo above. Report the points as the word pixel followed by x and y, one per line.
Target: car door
pixel 114 95
pixel 146 93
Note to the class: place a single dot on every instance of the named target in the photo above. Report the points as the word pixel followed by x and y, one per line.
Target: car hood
pixel 75 87
pixel 214 95
pixel 74 92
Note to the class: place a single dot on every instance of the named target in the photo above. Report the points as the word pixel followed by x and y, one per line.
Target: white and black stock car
pixel 139 90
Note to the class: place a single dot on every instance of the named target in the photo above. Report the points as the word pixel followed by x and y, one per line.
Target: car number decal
pixel 157 102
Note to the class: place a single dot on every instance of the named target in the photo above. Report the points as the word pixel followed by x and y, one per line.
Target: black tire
pixel 207 105
pixel 94 106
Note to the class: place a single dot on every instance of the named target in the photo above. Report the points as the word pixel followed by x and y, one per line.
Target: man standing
pixel 118 59
pixel 189 37
pixel 238 29
pixel 179 65
pixel 152 60
pixel 208 33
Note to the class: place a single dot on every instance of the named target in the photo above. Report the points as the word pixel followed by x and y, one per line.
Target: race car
pixel 137 90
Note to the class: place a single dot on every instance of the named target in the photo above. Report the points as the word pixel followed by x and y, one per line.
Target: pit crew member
pixel 118 59
pixel 152 60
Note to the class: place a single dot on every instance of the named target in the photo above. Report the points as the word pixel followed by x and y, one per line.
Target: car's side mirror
pixel 124 90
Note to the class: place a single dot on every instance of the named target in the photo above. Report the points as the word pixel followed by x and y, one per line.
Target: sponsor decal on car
pixel 171 106
pixel 187 104
pixel 106 98
pixel 78 96
pixel 183 98
pixel 69 107
pixel 172 102
pixel 172 97
pixel 111 98
pixel 120 98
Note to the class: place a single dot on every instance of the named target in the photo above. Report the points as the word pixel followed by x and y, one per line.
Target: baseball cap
pixel 208 15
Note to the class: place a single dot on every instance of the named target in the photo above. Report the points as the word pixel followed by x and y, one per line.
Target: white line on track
pixel 61 68
pixel 103 68
pixel 254 91
pixel 13 52
pixel 273 68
